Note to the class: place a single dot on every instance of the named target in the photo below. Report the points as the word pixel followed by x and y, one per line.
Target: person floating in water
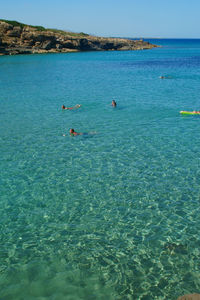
pixel 165 77
pixel 114 104
pixel 73 107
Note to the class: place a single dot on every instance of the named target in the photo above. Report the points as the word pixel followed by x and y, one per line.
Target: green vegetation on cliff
pixel 41 28
pixel 22 25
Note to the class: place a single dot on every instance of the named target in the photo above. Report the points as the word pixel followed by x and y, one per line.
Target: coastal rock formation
pixel 18 38
pixel 190 297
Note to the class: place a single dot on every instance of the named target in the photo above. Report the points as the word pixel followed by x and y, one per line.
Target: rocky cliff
pixel 18 38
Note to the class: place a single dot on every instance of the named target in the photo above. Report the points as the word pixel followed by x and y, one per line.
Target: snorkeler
pixel 73 107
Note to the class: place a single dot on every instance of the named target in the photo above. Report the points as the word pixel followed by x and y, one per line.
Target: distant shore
pixel 19 38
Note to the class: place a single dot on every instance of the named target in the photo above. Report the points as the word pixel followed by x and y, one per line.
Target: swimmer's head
pixel 63 107
pixel 114 103
pixel 71 130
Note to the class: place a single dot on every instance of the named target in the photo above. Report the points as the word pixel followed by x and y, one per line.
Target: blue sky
pixel 125 18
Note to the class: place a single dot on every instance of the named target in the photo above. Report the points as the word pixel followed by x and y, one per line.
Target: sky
pixel 116 18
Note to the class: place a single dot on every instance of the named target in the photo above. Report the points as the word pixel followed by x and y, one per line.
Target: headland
pixel 19 38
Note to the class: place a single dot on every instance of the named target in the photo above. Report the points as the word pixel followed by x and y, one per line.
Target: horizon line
pixel 159 38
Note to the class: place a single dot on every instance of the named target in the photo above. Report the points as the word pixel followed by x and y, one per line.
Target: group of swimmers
pixel 72 132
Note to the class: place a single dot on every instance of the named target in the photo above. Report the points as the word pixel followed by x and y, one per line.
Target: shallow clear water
pixel 109 215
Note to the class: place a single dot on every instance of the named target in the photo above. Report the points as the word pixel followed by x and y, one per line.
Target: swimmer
pixel 114 104
pixel 165 77
pixel 73 107
pixel 72 132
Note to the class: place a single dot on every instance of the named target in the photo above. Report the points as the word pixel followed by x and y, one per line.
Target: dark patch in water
pixel 176 248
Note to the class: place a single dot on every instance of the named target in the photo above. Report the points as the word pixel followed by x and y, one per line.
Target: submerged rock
pixel 18 38
pixel 175 248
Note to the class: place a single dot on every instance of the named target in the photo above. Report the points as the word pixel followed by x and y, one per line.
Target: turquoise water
pixel 109 215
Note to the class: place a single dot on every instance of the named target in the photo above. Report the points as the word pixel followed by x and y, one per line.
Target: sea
pixel 113 213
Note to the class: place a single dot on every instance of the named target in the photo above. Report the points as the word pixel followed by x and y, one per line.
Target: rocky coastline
pixel 19 38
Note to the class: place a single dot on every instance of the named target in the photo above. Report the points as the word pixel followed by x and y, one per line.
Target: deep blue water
pixel 109 215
